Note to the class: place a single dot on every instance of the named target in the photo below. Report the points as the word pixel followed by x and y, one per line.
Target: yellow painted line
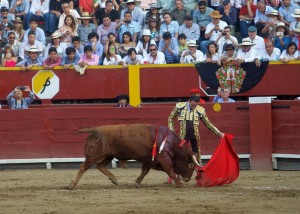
pixel 134 85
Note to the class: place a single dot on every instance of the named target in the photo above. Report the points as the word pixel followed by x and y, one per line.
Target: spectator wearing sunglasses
pixel 228 55
pixel 155 56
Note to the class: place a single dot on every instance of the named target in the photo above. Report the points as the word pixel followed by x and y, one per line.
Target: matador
pixel 189 114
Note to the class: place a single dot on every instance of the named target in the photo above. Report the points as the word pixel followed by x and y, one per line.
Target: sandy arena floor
pixel 44 191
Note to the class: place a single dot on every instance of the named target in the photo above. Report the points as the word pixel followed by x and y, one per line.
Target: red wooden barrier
pixel 155 81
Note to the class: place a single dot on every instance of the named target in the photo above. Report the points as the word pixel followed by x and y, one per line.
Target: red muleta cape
pixel 222 168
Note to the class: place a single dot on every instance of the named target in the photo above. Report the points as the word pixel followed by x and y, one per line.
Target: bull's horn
pixel 195 160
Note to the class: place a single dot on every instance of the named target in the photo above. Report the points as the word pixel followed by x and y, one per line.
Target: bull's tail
pixel 88 130
pixel 95 133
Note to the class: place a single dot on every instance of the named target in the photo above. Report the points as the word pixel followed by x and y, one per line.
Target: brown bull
pixel 126 142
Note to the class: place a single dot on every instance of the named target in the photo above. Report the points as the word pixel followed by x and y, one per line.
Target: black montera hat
pixel 122 96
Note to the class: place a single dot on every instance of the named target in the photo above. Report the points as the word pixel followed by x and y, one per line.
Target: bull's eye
pixel 191 166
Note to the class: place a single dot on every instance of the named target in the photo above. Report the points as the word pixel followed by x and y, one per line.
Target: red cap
pixel 195 91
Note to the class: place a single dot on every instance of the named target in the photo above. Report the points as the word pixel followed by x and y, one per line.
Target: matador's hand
pixel 221 135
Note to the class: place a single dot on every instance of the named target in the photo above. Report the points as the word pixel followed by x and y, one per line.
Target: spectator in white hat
pixel 246 53
pixel 296 23
pixel 142 46
pixel 192 54
pixel 31 59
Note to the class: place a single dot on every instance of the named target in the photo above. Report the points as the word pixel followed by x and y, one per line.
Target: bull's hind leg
pixel 83 167
pixel 145 171
pixel 102 168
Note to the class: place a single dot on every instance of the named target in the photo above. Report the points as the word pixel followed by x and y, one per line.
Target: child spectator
pixel 88 58
pixel 10 59
pixel 52 60
pixel 112 58
pixel 182 43
pixel 97 48
pixel 70 59
pixel 77 45
pixel 122 101
pixel 132 58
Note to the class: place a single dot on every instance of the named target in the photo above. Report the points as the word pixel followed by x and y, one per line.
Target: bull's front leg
pixel 167 166
pixel 145 171
pixel 83 167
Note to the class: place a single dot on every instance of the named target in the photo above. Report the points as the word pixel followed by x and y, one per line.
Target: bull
pixel 126 142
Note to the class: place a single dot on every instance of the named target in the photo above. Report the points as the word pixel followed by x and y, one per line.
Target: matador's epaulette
pixel 200 109
pixel 180 105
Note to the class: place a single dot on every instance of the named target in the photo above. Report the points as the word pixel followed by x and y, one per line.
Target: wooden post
pixel 261 146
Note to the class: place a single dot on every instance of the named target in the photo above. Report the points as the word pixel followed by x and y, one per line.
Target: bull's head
pixel 184 168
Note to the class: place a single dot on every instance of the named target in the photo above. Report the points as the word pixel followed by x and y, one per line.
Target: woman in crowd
pixel 112 58
pixel 127 43
pixel 112 39
pixel 282 38
pixel 290 53
pixel 10 59
pixel 142 46
pixel 68 30
pixel 57 44
pixel 154 25
pixel 52 60
pixel 228 55
pixel 18 29
pixel 212 54
pixel 153 11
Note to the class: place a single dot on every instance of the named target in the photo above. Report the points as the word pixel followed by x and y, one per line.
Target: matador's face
pixel 193 104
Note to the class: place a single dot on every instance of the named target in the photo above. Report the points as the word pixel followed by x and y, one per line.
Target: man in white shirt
pixel 213 30
pixel 40 10
pixel 246 53
pixel 67 10
pixel 258 41
pixel 271 53
pixel 192 54
pixel 30 42
pixel 155 56
pixel 222 41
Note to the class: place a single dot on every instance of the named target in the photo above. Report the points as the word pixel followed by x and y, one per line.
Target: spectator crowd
pixel 81 33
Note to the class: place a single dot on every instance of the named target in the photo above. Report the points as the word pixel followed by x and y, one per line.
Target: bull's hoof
pixel 137 185
pixel 114 181
pixel 71 185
